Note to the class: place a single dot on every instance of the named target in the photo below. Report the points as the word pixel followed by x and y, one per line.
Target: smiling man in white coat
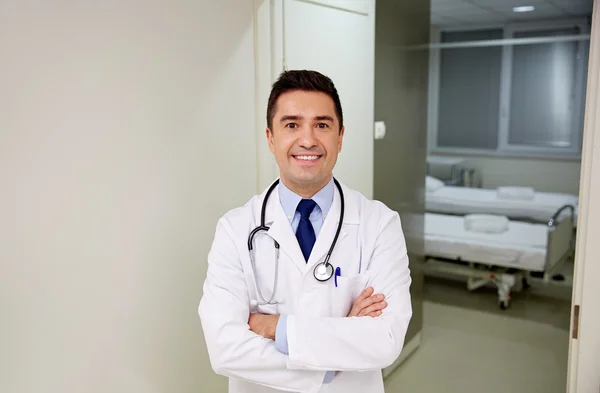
pixel 307 288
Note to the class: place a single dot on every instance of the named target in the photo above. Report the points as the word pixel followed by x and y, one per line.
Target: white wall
pixel 126 129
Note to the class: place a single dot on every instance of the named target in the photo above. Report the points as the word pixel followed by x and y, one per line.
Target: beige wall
pixel 549 175
pixel 544 175
pixel 126 129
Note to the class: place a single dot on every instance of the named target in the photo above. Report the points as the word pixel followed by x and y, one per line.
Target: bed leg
pixel 504 283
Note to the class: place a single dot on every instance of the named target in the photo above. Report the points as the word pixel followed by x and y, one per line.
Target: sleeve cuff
pixel 281 342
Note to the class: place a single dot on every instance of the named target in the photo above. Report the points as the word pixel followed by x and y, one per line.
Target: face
pixel 305 139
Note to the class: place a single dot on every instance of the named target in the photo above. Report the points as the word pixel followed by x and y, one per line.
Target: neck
pixel 305 190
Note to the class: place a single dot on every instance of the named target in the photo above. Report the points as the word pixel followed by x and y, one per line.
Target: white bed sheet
pixel 465 200
pixel 523 246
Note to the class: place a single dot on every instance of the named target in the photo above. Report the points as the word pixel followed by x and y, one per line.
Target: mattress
pixel 465 200
pixel 523 246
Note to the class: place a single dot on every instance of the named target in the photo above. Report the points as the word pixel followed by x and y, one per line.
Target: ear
pixel 341 139
pixel 269 135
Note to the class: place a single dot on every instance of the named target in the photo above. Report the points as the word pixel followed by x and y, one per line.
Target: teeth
pixel 307 158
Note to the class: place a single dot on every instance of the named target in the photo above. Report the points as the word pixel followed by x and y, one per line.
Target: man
pixel 273 320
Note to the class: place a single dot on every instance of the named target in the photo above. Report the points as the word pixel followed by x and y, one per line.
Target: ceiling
pixel 472 12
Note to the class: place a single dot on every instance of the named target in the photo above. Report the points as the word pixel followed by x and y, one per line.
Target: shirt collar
pixel 290 200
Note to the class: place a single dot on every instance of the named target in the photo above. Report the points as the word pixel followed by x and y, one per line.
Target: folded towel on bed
pixel 486 223
pixel 432 184
pixel 521 193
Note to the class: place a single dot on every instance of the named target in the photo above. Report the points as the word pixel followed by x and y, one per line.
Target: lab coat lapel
pixel 327 233
pixel 281 231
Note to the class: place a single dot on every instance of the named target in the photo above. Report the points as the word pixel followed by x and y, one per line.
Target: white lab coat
pixel 371 250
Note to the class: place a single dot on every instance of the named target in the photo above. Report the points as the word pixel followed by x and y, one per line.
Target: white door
pixel 584 355
pixel 336 38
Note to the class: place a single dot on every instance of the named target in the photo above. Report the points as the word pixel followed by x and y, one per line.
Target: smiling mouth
pixel 307 158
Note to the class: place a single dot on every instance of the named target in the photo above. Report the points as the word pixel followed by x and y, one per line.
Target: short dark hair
pixel 305 80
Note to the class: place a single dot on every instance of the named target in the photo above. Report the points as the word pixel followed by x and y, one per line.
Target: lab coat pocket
pixel 345 293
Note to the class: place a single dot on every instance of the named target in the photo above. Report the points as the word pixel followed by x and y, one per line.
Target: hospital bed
pixel 530 205
pixel 507 259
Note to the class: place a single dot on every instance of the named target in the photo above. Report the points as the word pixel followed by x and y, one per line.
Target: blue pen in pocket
pixel 338 272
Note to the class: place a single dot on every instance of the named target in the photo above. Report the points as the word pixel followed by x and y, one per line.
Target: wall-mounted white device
pixel 379 130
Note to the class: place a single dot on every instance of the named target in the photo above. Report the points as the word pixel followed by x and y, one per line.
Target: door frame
pixel 584 346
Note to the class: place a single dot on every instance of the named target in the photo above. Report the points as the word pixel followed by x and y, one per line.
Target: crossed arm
pixel 241 344
pixel 367 304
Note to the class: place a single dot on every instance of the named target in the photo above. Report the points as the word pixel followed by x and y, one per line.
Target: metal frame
pixel 553 224
pixel 509 279
pixel 506 41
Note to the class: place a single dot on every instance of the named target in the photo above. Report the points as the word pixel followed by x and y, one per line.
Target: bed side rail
pixel 554 220
pixel 560 237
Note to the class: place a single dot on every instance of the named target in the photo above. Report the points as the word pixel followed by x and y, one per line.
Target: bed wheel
pixel 503 304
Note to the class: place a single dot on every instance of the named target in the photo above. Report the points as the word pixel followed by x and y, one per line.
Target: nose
pixel 307 138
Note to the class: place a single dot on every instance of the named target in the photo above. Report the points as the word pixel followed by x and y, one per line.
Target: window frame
pixel 504 148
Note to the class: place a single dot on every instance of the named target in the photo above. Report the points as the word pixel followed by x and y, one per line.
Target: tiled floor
pixel 469 345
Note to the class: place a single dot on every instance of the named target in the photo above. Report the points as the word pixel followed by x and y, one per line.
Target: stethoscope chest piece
pixel 323 271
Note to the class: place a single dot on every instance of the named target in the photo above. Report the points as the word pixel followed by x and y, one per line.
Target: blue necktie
pixel 305 232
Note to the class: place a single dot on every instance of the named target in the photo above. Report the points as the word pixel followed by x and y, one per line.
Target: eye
pixel 291 125
pixel 322 125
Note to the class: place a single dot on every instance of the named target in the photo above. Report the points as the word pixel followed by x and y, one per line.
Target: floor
pixel 470 345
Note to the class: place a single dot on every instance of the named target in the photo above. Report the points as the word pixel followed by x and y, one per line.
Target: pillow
pixel 432 184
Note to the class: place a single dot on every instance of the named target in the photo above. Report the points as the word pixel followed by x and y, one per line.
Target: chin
pixel 307 178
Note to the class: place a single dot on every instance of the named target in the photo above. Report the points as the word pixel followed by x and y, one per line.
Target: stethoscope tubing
pixel 263 227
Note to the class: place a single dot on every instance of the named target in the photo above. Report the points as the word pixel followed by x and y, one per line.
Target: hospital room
pixel 134 134
pixel 505 112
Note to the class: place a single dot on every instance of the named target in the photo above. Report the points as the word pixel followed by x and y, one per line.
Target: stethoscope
pixel 322 272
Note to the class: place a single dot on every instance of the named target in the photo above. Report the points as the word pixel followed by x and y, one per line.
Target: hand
pixel 367 304
pixel 264 325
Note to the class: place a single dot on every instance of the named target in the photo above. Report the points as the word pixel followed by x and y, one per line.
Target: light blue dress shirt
pixel 289 202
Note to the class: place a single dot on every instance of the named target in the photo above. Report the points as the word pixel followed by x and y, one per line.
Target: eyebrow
pixel 295 117
pixel 289 117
